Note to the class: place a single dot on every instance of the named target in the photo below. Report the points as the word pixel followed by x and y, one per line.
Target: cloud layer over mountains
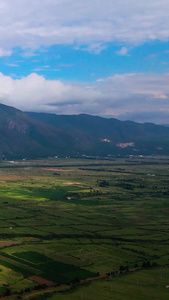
pixel 146 93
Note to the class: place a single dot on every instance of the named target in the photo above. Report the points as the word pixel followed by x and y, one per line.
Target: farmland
pixel 63 221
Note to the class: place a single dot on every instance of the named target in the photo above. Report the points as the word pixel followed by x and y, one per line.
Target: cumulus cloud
pixel 36 93
pixel 135 96
pixel 31 24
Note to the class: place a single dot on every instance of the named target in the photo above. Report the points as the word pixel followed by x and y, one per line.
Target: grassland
pixel 64 220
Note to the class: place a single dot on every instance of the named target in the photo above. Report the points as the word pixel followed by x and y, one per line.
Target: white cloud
pixel 121 96
pixel 95 48
pixel 28 54
pixel 34 92
pixel 31 24
pixel 4 52
pixel 122 51
pixel 12 65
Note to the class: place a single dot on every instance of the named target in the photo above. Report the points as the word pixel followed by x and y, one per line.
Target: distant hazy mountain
pixel 100 136
pixel 167 125
pixel 35 135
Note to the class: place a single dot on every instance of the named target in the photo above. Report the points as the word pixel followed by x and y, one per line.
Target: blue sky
pixel 108 58
pixel 67 63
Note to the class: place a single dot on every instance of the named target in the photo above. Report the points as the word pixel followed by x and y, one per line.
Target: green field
pixel 149 284
pixel 65 220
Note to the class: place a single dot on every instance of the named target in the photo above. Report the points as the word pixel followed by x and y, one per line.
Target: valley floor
pixel 65 220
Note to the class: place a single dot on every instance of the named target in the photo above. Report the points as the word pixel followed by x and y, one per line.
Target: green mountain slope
pixel 100 136
pixel 35 135
pixel 22 136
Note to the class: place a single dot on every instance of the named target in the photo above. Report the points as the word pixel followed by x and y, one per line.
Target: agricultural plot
pixel 30 263
pixel 64 220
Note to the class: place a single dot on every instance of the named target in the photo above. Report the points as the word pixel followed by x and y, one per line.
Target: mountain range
pixel 35 135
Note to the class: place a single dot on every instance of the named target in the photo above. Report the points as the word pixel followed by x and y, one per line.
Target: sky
pixel 101 57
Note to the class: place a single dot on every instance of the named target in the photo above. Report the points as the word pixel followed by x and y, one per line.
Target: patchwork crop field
pixel 84 228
